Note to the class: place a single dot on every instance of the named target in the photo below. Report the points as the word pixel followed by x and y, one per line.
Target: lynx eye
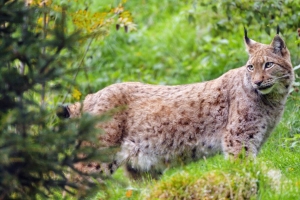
pixel 250 68
pixel 268 65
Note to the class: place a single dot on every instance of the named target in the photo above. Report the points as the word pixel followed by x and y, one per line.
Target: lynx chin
pixel 164 126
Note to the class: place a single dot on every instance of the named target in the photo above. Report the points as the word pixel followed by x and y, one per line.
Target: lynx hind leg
pixel 137 175
pixel 106 169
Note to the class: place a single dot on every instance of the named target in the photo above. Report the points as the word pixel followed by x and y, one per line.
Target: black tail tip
pixel 62 112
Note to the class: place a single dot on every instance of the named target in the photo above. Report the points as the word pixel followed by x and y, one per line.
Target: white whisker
pixel 284 76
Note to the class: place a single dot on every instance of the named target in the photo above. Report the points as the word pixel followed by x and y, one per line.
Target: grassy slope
pixel 167 49
pixel 275 173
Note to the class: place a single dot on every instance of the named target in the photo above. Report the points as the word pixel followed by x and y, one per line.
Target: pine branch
pixel 45 25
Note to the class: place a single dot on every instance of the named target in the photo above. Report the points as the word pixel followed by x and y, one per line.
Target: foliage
pixel 266 14
pixel 180 42
pixel 98 22
pixel 183 42
pixel 220 179
pixel 211 185
pixel 168 42
pixel 36 149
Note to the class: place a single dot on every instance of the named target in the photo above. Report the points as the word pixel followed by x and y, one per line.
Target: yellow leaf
pixel 76 94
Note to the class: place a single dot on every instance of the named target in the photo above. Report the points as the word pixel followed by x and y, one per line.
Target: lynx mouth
pixel 265 89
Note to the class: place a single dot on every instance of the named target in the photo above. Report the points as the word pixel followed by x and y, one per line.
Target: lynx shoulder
pixel 162 126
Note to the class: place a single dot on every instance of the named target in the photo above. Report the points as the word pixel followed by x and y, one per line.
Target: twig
pixel 78 68
pixel 45 24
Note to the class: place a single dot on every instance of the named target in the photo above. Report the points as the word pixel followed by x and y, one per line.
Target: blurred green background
pixel 180 42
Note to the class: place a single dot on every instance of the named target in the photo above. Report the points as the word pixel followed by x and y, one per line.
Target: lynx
pixel 164 126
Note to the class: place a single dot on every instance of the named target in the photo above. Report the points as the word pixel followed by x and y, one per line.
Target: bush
pixel 36 149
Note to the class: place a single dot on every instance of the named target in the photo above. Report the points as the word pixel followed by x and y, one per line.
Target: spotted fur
pixel 163 126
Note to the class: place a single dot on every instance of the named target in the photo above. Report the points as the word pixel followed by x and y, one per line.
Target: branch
pixel 45 24
pixel 78 67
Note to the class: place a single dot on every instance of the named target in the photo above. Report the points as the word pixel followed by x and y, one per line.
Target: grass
pixel 274 174
pixel 168 48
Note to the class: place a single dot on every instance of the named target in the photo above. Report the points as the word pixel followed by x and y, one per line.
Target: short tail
pixel 69 111
pixel 62 112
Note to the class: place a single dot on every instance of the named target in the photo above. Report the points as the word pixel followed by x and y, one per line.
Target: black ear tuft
pixel 247 40
pixel 62 112
pixel 277 30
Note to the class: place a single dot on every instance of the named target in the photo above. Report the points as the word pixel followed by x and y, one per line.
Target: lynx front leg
pixel 242 139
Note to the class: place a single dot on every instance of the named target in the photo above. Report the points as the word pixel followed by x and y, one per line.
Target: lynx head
pixel 269 67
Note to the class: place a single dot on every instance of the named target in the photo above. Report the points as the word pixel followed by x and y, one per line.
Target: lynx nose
pixel 258 82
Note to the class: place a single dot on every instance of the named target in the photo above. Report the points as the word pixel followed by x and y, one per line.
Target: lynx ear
pixel 249 43
pixel 278 45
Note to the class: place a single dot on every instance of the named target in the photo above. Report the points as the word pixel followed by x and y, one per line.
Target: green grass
pixel 274 174
pixel 170 48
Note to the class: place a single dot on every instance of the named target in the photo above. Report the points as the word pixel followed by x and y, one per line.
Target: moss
pixel 174 187
pixel 212 185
